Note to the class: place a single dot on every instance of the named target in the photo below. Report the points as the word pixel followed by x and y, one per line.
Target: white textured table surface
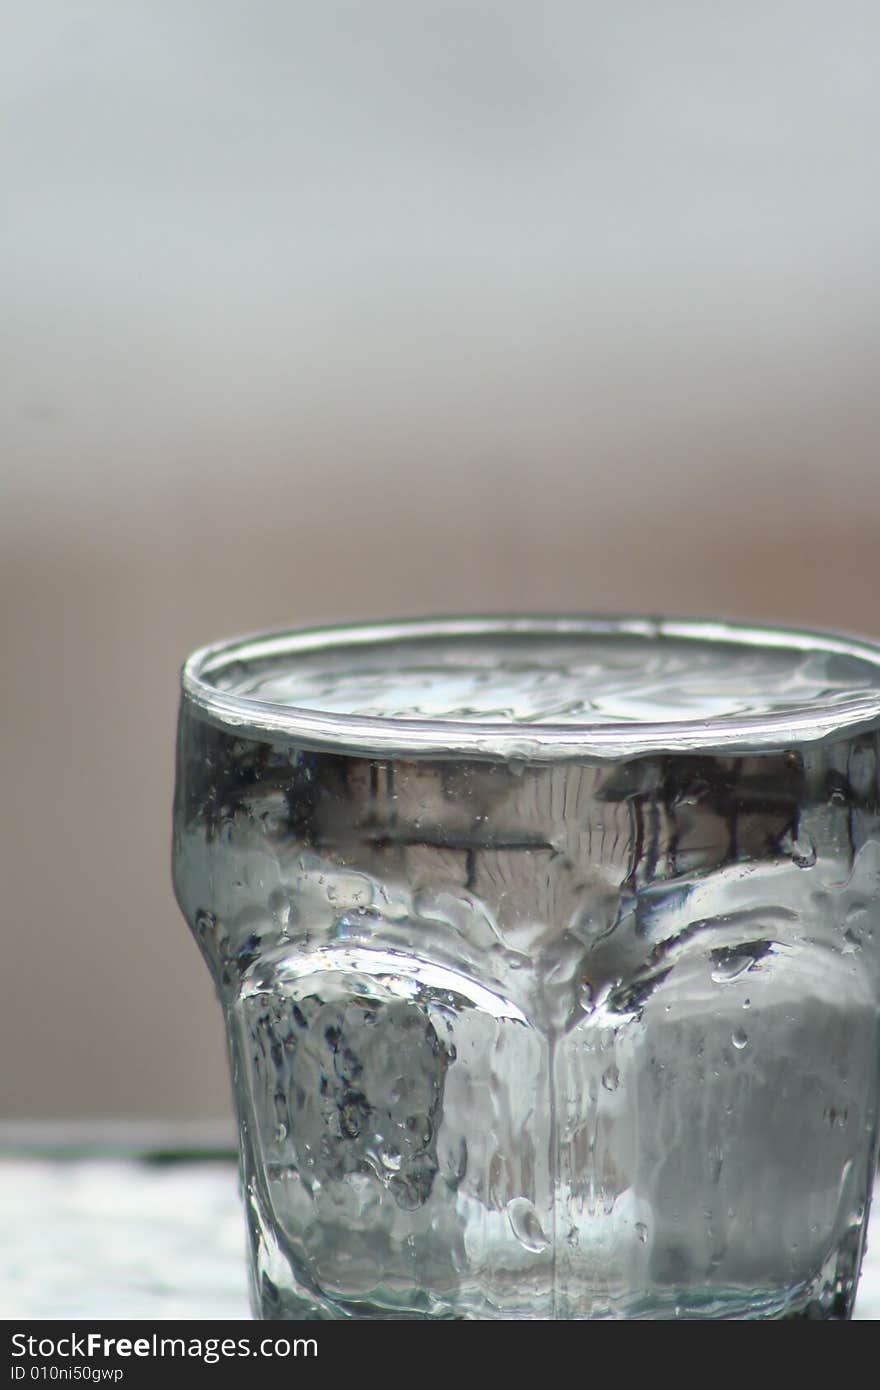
pixel 118 1238
pixel 124 1238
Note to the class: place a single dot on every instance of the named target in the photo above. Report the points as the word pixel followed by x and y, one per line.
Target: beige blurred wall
pixel 332 310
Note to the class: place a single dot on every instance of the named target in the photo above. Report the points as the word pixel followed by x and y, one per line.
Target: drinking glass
pixel 548 954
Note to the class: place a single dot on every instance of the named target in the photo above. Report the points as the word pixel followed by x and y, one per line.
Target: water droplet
pixel 641 1231
pixel 280 1132
pixel 611 1078
pixel 205 923
pixel 801 849
pixel 525 1225
pixel 585 996
pixel 390 1159
pixel 728 970
pixel 740 1039
pixel 729 962
pixel 747 1003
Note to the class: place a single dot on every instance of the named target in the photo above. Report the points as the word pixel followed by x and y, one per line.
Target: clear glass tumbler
pixel 549 959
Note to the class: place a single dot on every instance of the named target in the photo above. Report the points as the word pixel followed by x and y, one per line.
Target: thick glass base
pixel 279 1293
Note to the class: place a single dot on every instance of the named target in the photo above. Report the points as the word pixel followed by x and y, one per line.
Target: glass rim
pixel 382 736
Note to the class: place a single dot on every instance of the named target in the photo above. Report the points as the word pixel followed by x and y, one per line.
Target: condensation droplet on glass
pixel 801 849
pixel 205 922
pixel 525 1225
pixel 585 995
pixel 739 1039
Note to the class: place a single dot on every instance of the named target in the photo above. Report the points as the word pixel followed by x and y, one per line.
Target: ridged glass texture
pixel 549 956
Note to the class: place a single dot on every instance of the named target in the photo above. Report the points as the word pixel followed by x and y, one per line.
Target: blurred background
pixel 327 309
